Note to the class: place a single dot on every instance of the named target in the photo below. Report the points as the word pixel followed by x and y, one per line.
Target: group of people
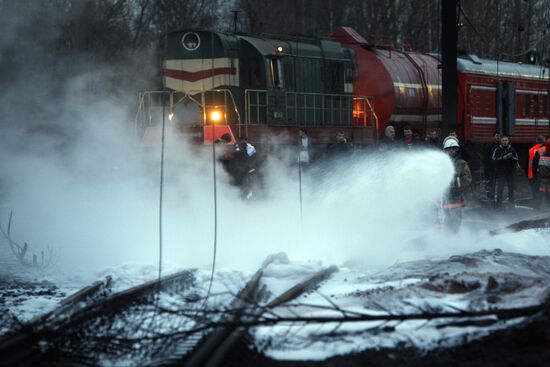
pixel 501 163
pixel 410 140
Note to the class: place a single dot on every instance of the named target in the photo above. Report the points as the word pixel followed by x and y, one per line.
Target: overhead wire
pixel 215 190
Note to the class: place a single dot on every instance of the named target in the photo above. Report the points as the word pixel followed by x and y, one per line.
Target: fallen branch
pixel 20 251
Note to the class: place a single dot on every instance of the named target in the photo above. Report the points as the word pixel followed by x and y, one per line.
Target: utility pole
pixel 235 19
pixel 449 40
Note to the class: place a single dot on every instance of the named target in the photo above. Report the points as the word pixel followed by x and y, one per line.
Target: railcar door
pixel 482 112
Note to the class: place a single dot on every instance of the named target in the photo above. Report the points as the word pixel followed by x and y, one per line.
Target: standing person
pixel 489 167
pixel 506 159
pixel 541 172
pixel 246 146
pixel 303 148
pixel 245 166
pixel 341 148
pixel 388 141
pixel 432 140
pixel 533 181
pixel 409 139
pixel 454 201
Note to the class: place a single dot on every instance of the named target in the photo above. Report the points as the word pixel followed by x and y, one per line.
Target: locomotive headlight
pixel 215 116
pixel 279 48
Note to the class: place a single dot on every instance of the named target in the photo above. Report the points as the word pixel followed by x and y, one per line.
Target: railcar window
pixel 545 106
pixel 536 106
pixel 526 105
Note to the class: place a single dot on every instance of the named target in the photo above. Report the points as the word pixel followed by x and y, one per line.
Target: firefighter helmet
pixel 450 142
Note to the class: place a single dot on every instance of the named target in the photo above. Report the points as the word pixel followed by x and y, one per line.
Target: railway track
pixel 157 323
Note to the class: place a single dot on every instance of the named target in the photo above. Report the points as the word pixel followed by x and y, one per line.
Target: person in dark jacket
pixel 432 140
pixel 489 167
pixel 409 139
pixel 388 142
pixel 342 148
pixel 506 160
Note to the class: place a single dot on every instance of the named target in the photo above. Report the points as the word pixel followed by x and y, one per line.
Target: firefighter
pixel 454 201
pixel 541 170
pixel 533 181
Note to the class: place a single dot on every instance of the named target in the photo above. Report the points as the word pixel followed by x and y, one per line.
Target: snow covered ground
pixel 471 282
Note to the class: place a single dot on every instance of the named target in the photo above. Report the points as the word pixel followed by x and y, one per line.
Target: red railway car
pixel 504 97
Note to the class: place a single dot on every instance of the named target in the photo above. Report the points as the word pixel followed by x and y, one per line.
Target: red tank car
pixel 405 85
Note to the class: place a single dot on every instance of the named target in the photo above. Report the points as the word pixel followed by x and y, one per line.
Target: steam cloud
pixel 77 180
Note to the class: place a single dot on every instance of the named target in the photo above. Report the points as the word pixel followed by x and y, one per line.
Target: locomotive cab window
pixel 254 73
pixel 274 72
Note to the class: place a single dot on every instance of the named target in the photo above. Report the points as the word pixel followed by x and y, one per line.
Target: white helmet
pixel 450 142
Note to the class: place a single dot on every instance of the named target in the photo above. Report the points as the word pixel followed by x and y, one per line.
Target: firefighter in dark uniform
pixel 454 200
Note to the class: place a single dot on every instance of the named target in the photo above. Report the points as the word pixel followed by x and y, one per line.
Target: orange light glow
pixel 215 116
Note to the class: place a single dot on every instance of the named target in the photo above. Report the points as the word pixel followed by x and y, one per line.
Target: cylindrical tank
pixel 405 85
